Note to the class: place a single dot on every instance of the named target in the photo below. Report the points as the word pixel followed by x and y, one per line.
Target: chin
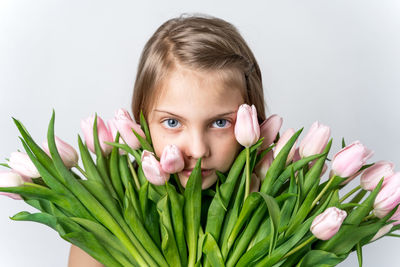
pixel 206 182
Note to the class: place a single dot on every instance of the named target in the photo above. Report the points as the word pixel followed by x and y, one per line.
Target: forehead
pixel 185 90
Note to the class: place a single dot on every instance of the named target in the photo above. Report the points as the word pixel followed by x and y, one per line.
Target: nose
pixel 197 146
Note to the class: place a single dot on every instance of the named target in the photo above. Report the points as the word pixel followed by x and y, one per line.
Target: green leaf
pixel 211 249
pixel 145 127
pixel 150 215
pixel 168 244
pixel 192 211
pixel 320 258
pixel 278 165
pixel 359 255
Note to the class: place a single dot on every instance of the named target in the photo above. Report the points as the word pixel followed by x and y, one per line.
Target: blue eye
pixel 221 123
pixel 170 123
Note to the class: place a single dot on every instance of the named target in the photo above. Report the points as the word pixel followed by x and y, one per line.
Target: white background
pixel 333 61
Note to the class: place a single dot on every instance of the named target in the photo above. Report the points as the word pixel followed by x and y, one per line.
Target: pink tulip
pixel 22 164
pixel 254 183
pixel 172 159
pixel 68 154
pixel 10 179
pixel 282 142
pixel 263 166
pixel 396 217
pixel 388 197
pixel 328 223
pixel 350 159
pixel 269 129
pixel 372 175
pixel 247 130
pixel 383 231
pixel 123 122
pixel 315 140
pixel 114 131
pixel 103 133
pixel 152 169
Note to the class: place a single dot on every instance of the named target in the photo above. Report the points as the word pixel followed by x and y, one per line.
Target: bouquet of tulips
pixel 272 208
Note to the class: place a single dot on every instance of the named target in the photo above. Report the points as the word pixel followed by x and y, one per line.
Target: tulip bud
pixel 103 133
pixel 383 231
pixel 22 164
pixel 152 169
pixel 282 142
pixel 114 131
pixel 67 153
pixel 254 183
pixel 171 159
pixel 388 197
pixel 247 130
pixel 315 140
pixel 328 223
pixel 263 166
pixel 396 217
pixel 372 175
pixel 350 159
pixel 124 124
pixel 10 179
pixel 269 129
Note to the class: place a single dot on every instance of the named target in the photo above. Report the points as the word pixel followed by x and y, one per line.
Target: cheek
pixel 158 140
pixel 225 151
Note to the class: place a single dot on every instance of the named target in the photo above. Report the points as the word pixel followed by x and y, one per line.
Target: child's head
pixel 191 70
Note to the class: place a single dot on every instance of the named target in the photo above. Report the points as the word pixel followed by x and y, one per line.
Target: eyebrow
pixel 216 116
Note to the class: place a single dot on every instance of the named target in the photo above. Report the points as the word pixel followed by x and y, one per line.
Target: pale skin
pixel 195 111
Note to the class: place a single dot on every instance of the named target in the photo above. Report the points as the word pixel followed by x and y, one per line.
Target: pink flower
pixel 350 159
pixel 10 179
pixel 315 140
pixel 247 130
pixel 68 154
pixel 254 183
pixel 171 159
pixel 383 231
pixel 269 129
pixel 388 197
pixel 372 175
pixel 328 223
pixel 152 169
pixel 103 133
pixel 123 122
pixel 263 166
pixel 282 142
pixel 22 164
pixel 396 217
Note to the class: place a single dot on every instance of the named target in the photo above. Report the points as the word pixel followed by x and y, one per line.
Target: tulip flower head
pixel 152 169
pixel 350 159
pixel 264 164
pixel 172 159
pixel 383 231
pixel 388 197
pixel 103 133
pixel 22 164
pixel 269 129
pixel 315 140
pixel 282 142
pixel 372 175
pixel 67 153
pixel 255 183
pixel 328 223
pixel 10 179
pixel 123 123
pixel 247 129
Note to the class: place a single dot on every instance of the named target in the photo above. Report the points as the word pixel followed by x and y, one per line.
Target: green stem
pixel 247 188
pixel 302 245
pixel 369 217
pixel 81 171
pixel 322 193
pixel 135 177
pixel 349 194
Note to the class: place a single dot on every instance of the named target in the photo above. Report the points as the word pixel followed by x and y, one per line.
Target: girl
pixel 194 73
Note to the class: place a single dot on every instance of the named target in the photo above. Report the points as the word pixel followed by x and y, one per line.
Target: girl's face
pixel 196 111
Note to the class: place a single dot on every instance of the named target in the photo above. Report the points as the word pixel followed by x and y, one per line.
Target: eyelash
pixel 166 121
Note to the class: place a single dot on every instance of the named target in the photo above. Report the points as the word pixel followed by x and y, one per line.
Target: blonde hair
pixel 198 42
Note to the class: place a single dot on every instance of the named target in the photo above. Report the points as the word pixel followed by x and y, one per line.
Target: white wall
pixel 333 61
